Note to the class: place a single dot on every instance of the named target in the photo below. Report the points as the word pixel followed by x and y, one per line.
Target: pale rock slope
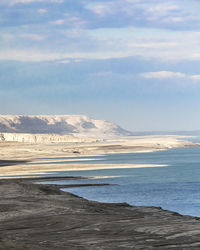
pixel 60 124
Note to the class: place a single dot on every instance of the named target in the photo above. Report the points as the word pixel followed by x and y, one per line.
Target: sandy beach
pixel 34 154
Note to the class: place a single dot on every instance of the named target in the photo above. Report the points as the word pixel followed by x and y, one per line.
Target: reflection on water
pixel 176 187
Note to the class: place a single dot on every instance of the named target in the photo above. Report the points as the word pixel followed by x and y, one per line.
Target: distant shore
pixel 16 154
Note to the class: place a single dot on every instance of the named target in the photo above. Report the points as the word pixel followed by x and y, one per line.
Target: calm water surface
pixel 175 187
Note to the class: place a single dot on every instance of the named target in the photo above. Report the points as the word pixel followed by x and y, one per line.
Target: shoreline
pixel 44 217
pixel 27 151
pixel 35 159
pixel 26 171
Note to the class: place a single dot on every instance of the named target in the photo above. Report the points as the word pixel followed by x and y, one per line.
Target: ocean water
pixel 175 187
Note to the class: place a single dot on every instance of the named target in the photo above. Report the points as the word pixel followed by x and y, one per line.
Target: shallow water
pixel 175 187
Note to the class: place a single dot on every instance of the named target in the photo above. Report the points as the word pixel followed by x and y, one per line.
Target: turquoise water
pixel 175 187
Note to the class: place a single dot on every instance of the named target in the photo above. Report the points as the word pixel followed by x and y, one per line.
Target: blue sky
pixel 134 62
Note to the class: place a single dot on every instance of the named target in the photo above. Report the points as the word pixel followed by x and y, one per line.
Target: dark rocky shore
pixel 34 216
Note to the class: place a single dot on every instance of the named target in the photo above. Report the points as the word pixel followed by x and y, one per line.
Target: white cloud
pixel 65 62
pixel 42 11
pixel 73 21
pixel 13 2
pixel 152 10
pixel 27 56
pixel 101 9
pixel 195 77
pixel 168 75
pixel 33 36
pixel 133 1
pixel 57 22
pixel 156 44
pixel 165 13
pixel 40 56
pixel 163 75
pixel 162 9
pixel 152 45
pixel 173 20
pixel 111 43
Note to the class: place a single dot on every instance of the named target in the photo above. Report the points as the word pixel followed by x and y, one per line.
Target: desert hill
pixel 59 124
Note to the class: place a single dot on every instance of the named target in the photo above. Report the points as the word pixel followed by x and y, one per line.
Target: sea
pixel 175 187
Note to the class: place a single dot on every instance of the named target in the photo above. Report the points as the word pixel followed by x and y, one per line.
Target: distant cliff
pixel 61 125
pixel 43 138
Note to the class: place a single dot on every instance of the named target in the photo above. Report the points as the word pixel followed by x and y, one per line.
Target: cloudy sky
pixel 134 62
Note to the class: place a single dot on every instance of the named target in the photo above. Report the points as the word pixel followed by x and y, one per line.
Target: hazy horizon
pixel 132 62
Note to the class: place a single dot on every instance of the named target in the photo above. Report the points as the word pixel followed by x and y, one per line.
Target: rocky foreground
pixel 34 216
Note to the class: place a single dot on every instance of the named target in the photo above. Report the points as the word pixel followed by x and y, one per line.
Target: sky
pixel 133 62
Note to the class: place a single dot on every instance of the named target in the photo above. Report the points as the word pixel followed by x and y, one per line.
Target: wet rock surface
pixel 34 216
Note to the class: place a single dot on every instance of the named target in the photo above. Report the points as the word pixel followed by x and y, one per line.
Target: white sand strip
pixel 37 169
pixel 47 161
